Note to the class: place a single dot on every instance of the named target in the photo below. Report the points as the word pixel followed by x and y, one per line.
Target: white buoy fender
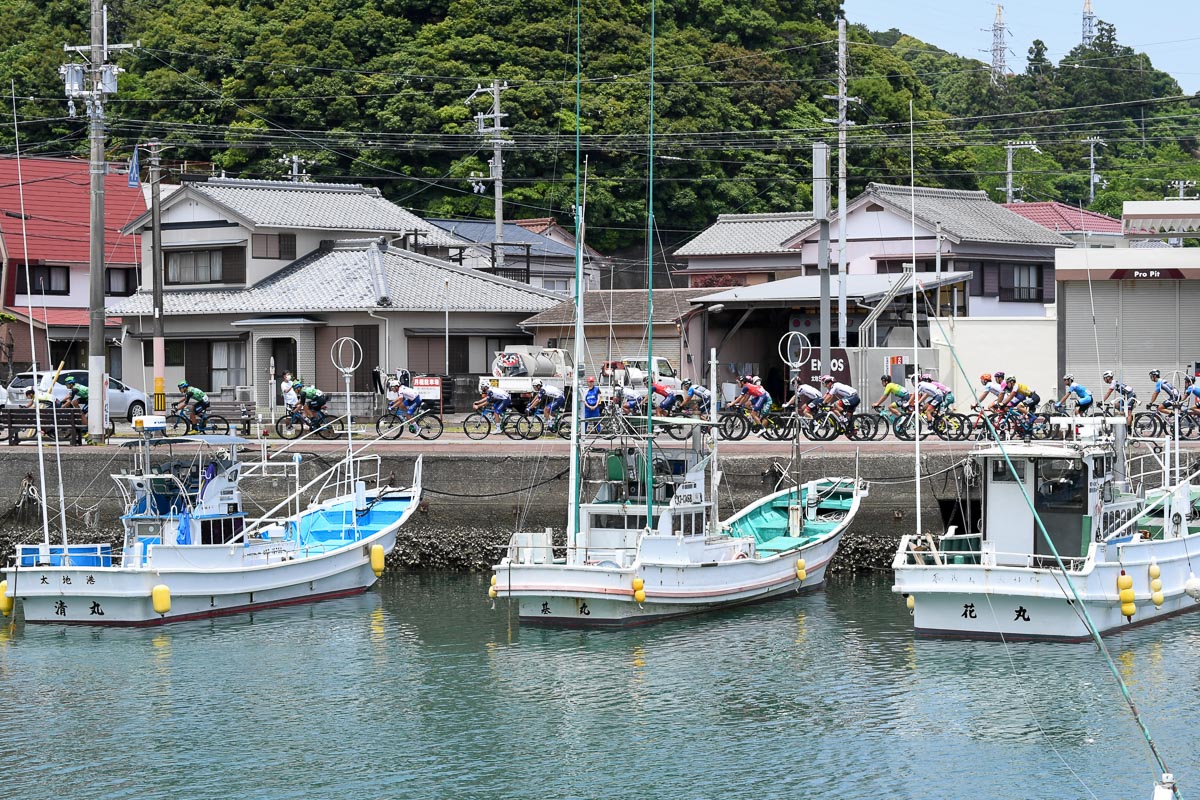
pixel 1192 587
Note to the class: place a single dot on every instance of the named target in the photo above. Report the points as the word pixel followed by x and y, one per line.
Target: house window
pixel 1021 283
pixel 43 280
pixel 278 246
pixel 560 285
pixel 120 282
pixel 174 352
pixel 194 266
pixel 228 364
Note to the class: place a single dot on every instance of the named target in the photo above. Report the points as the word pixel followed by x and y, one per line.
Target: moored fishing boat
pixel 1116 511
pixel 189 550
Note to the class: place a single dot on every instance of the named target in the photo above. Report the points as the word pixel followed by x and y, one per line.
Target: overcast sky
pixel 1165 30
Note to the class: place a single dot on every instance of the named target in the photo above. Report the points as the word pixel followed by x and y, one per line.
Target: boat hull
pixel 562 596
pixel 979 602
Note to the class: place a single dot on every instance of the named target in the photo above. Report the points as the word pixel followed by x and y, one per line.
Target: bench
pixel 63 423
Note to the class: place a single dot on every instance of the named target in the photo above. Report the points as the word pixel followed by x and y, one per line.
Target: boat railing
pixel 955 550
pixel 1158 505
pixel 342 479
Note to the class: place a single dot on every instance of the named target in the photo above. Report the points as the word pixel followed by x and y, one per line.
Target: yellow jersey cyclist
pixel 1019 396
pixel 901 398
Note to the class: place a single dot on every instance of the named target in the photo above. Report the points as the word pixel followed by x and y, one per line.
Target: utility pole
pixel 101 79
pixel 999 47
pixel 156 264
pixel 296 161
pixel 820 192
pixel 1091 142
pixel 1182 187
pixel 1089 24
pixel 1023 144
pixel 494 131
pixel 843 124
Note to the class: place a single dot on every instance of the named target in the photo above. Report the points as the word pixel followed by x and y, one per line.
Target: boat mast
pixel 576 406
pixel 650 294
pixel 912 189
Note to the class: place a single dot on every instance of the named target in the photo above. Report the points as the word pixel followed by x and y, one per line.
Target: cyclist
pixel 806 397
pixel 631 400
pixel 932 395
pixel 844 395
pixel 1017 395
pixel 499 399
pixel 1124 390
pixel 1192 395
pixel 311 399
pixel 407 400
pixel 77 396
pixel 991 386
pixel 696 396
pixel 550 398
pixel 1163 387
pixel 668 394
pixel 1084 406
pixel 754 398
pixel 194 396
pixel 901 398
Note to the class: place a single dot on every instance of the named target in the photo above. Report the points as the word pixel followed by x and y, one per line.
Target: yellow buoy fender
pixel 911 602
pixel 6 602
pixel 801 574
pixel 1157 598
pixel 800 564
pixel 1156 585
pixel 160 598
pixel 639 595
pixel 493 580
pixel 1128 609
pixel 377 559
pixel 638 585
pixel 1124 582
pixel 1155 571
pixel 1127 596
pixel 492 592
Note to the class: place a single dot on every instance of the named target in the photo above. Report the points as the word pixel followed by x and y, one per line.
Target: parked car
pixel 123 401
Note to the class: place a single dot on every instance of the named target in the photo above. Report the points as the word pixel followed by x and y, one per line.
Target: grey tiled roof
pixel 317 206
pixel 483 231
pixel 621 307
pixel 745 234
pixel 340 280
pixel 965 215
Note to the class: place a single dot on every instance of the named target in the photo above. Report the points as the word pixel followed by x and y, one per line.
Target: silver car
pixel 123 401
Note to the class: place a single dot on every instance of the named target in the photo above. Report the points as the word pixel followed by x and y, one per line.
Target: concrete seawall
pixel 473 502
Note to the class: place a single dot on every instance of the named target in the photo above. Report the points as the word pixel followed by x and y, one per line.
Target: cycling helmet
pixel 743 379
pixel 925 376
pixel 998 375
pixel 393 384
pixel 1155 374
pixel 1108 375
pixel 826 379
pixel 686 383
pixel 985 377
pixel 757 380
pixel 537 384
pixel 885 378
pixel 1011 379
pixel 184 385
pixel 70 381
pixel 297 385
pixel 1068 378
pixel 29 392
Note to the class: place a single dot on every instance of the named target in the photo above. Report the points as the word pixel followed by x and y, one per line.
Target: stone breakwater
pixel 473 502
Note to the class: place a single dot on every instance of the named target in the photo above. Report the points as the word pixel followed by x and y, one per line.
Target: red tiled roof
pixel 63 317
pixel 539 225
pixel 57 210
pixel 1063 218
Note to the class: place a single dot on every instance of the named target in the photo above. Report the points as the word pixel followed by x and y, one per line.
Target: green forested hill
pixel 376 90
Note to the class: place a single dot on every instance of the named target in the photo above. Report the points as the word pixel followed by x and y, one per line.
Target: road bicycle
pixel 559 423
pixel 512 423
pixel 293 424
pixel 392 424
pixel 180 424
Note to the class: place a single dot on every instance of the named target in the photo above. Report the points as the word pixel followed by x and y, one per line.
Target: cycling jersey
pixel 993 388
pixel 192 393
pixel 1165 386
pixel 1123 389
pixel 662 389
pixel 1194 391
pixel 550 392
pixel 754 390
pixel 898 390
pixel 699 391
pixel 408 393
pixel 1019 392
pixel 931 390
pixel 498 395
pixel 810 393
pixel 842 391
pixel 1085 397
pixel 80 392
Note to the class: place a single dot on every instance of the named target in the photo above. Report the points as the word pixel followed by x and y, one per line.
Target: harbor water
pixel 420 689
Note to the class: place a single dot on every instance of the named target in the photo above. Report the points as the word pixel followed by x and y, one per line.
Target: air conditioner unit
pixel 243 394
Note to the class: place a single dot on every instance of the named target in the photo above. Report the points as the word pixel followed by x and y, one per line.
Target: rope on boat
pixel 499 494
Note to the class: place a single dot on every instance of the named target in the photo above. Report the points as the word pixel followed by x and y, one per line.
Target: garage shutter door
pixel 1081 337
pixel 1150 337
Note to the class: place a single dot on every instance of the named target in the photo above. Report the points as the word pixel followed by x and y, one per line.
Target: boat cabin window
pixel 219 530
pixel 1061 484
pixel 1001 472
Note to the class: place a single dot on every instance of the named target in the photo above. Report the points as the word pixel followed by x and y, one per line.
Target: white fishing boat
pixel 1118 513
pixel 190 551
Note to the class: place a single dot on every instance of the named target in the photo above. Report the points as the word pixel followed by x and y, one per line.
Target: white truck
pixel 514 368
pixel 632 372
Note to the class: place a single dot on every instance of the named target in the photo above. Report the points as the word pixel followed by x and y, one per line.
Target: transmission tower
pixel 1089 24
pixel 999 47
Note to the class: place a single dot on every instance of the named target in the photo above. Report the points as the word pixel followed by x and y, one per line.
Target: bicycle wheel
pixel 531 426
pixel 429 427
pixel 735 427
pixel 331 428
pixel 288 427
pixel 678 432
pixel 1039 427
pixel 777 429
pixel 564 425
pixel 825 428
pixel 862 428
pixel 477 426
pixel 215 424
pixel 389 426
pixel 1146 423
pixel 177 425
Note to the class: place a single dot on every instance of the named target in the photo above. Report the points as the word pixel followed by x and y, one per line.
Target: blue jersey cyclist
pixel 696 396
pixel 1084 397
pixel 407 398
pixel 548 397
pixel 1191 397
pixel 195 397
pixel 1165 388
pixel 499 399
